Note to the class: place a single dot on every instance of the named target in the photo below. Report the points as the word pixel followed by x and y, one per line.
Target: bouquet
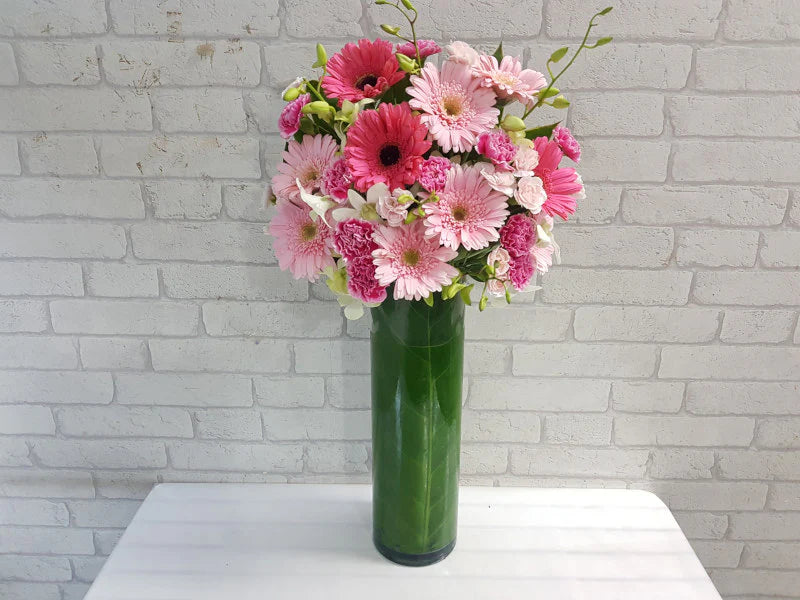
pixel 404 176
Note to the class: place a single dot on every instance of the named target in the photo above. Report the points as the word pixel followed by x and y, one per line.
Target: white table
pixel 287 542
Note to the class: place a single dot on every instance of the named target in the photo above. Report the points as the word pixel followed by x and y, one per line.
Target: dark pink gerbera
pixel 386 146
pixel 426 48
pixel 561 185
pixel 365 70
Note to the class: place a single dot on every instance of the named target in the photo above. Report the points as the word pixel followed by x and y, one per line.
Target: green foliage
pixel 498 54
pixel 543 131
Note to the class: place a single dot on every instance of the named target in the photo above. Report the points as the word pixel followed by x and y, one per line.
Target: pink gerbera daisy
pixel 560 185
pixel 469 212
pixel 426 48
pixel 509 79
pixel 455 107
pixel 386 146
pixel 302 245
pixel 362 71
pixel 305 161
pixel 415 263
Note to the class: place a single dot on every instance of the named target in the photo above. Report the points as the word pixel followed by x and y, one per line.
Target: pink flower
pixel 509 79
pixel 498 147
pixel 568 144
pixel 289 121
pixel 305 161
pixel 353 238
pixel 455 108
pixel 521 271
pixel 362 71
pixel 542 257
pixel 415 263
pixel 518 235
pixel 426 48
pixel 525 161
pixel 386 146
pixel 336 181
pixel 501 181
pixel 560 185
pixel 462 53
pixel 530 193
pixel 469 212
pixel 500 259
pixel 362 282
pixel 302 245
pixel 394 207
pixel 496 287
pixel 433 173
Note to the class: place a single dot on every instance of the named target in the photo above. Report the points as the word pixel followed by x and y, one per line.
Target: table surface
pixel 248 542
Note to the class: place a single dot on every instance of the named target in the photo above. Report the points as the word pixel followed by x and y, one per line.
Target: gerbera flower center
pixel 308 232
pixel 365 80
pixel 504 78
pixel 460 213
pixel 389 155
pixel 411 257
pixel 452 105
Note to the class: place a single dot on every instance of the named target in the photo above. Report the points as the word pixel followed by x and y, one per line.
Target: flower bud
pixel 291 94
pixel 322 56
pixel 408 5
pixel 512 123
pixel 390 30
pixel 318 107
pixel 560 102
pixel 408 65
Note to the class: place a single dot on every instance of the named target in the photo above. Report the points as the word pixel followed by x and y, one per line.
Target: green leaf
pixel 605 11
pixel 558 54
pixel 603 41
pixel 543 131
pixel 498 54
pixel 429 299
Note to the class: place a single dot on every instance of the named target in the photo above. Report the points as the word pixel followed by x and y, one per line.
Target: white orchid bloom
pixel 361 208
pixel 319 204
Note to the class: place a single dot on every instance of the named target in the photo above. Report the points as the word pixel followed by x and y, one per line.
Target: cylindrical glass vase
pixel 417 365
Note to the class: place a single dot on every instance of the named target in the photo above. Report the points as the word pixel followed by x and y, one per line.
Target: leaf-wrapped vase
pixel 417 360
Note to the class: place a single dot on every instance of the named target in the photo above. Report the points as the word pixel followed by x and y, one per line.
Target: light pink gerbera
pixel 305 161
pixel 469 212
pixel 362 71
pixel 289 121
pixel 415 263
pixel 302 245
pixel 560 185
pixel 426 48
pixel 455 107
pixel 386 146
pixel 509 79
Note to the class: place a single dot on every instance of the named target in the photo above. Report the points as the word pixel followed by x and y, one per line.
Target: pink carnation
pixel 518 235
pixel 289 121
pixel 362 282
pixel 353 238
pixel 426 48
pixel 568 144
pixel 521 271
pixel 433 173
pixel 498 147
pixel 336 180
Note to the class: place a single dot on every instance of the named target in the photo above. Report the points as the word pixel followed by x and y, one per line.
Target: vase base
pixel 415 560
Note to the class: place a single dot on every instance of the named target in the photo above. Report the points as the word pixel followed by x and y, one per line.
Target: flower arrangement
pixel 406 177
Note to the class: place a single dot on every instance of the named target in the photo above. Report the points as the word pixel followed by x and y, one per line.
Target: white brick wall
pixel 146 334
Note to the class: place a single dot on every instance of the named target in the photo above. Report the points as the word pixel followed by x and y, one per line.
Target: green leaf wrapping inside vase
pixel 417 364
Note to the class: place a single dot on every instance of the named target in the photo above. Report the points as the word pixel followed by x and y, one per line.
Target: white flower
pixel 582 194
pixel 462 53
pixel 392 207
pixel 500 259
pixel 502 181
pixel 496 288
pixel 294 84
pixel 361 208
pixel 530 193
pixel 526 161
pixel 319 204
